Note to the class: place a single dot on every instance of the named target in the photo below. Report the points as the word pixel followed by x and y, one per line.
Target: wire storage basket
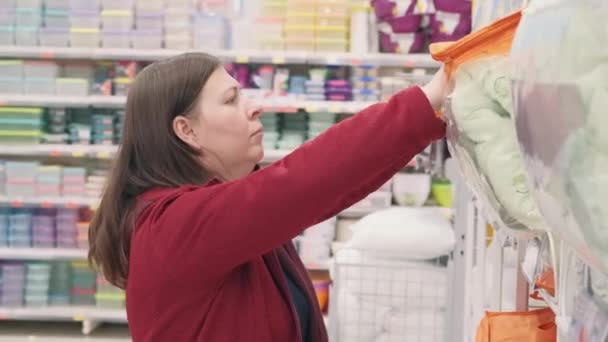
pixel 376 298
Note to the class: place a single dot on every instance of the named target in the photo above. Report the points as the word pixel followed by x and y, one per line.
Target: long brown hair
pixel 150 156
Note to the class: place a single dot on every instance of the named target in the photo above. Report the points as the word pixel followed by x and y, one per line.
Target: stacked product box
pixel 270 121
pixel 4 226
pixel 85 23
pixel 39 77
pixel 48 181
pixel 43 228
pixel 13 284
pixel 37 282
pixel 319 123
pixel 20 125
pixel 365 83
pixel 65 226
pixel 28 20
pixel 73 181
pixel 56 18
pixel 83 284
pixel 56 126
pixel 117 21
pixel 11 76
pixel 60 283
pixel 294 131
pixel 149 22
pixel 7 22
pixel 178 24
pixel 21 178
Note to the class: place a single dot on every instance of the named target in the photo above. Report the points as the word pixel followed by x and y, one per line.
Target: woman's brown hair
pixel 150 155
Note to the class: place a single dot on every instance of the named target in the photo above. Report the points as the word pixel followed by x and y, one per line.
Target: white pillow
pixel 404 233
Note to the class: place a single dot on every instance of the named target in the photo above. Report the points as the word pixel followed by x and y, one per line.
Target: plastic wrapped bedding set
pixel 481 130
pixel 561 106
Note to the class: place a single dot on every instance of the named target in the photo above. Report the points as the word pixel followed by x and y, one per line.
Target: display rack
pixel 245 56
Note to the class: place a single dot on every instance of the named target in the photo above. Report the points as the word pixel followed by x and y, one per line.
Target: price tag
pixel 79 317
pixel 334 108
pixel 242 59
pixel 278 60
pixel 46 204
pixel 71 205
pixel 103 155
pixel 409 63
pixel 55 153
pixel 356 62
pixel 78 154
pixel 312 109
pixel 4 315
pixel 46 54
pixel 17 204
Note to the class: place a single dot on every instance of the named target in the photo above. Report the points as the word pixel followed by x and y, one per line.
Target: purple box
pixel 386 9
pixel 453 6
pixel 394 43
pixel 406 23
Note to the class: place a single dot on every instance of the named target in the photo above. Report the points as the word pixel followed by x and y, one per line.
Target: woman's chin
pixel 257 153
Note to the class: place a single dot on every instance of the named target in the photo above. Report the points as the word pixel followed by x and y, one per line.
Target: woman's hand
pixel 437 89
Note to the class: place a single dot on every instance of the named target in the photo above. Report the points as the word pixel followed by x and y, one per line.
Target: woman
pixel 200 242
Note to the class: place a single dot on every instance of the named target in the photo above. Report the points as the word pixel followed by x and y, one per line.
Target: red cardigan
pixel 206 262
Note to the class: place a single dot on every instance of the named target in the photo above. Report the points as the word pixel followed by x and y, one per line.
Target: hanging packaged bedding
pixel 481 131
pixel 561 107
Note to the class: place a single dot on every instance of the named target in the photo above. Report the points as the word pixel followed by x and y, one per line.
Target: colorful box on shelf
pixel 85 37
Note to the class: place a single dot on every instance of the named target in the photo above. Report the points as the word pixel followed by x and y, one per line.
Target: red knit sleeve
pixel 216 228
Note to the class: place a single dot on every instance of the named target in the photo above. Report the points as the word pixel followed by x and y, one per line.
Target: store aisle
pixel 60 332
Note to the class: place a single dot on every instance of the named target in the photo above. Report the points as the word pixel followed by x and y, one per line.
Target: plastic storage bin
pixel 84 37
pixel 149 20
pixel 300 32
pixel 85 19
pixel 7 17
pixel 149 5
pixel 121 5
pixel 332 45
pixel 56 19
pixel 28 3
pixel 117 20
pixel 26 17
pixel 85 5
pixel 11 68
pixel 43 86
pixel 7 35
pixel 57 4
pixel 147 39
pixel 72 86
pixel 178 42
pixel 57 37
pixel 116 39
pixel 40 69
pixel 11 85
pixel 332 32
pixel 26 36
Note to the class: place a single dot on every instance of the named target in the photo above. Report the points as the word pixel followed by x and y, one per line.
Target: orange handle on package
pixel 492 40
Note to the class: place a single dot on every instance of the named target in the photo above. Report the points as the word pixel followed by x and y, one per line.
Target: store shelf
pixel 34 100
pixel 49 201
pixel 63 313
pixel 13 253
pixel 91 151
pixel 276 104
pixel 244 56
pixel 355 213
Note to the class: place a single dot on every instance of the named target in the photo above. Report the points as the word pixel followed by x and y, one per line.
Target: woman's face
pixel 224 127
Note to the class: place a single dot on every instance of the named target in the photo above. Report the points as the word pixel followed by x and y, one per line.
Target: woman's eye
pixel 233 99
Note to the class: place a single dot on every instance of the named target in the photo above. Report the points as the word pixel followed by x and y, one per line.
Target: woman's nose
pixel 254 110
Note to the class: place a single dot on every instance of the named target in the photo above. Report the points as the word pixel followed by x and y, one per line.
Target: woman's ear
pixel 184 129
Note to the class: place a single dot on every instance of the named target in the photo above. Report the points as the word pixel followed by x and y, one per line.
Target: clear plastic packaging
pixel 117 20
pixel 44 86
pixel 80 37
pixel 55 37
pixel 28 17
pixel 26 36
pixel 481 132
pixel 7 35
pixel 11 85
pixel 144 39
pixel 11 68
pixel 120 39
pixel 57 19
pixel 117 5
pixel 72 86
pixel 7 17
pixel 40 69
pixel 149 20
pixel 57 4
pixel 561 97
pixel 85 19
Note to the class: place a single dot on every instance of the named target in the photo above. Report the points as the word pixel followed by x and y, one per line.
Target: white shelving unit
pixel 244 56
pixel 276 104
pixel 33 253
pixel 92 151
pixel 90 316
